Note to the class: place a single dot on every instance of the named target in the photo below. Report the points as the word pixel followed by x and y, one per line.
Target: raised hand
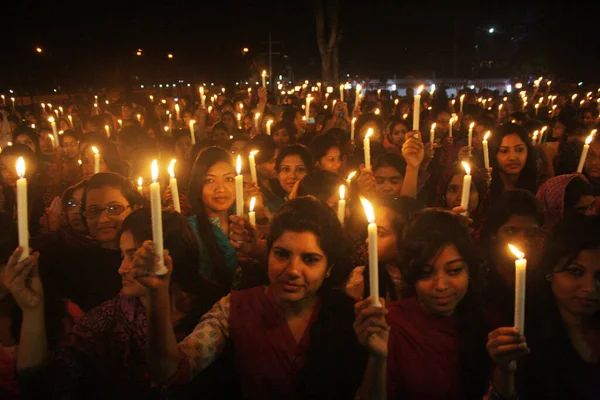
pixel 145 265
pixel 243 236
pixel 366 181
pixel 505 346
pixel 413 150
pixel 371 327
pixel 23 281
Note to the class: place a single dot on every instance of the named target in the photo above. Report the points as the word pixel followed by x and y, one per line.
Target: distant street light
pixel 39 50
pixel 139 52
pixel 491 30
pixel 170 55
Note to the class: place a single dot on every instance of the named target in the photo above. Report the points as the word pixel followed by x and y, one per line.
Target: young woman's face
pixel 592 162
pixel 388 182
pixel 266 170
pixel 386 235
pixel 87 162
pixel 74 211
pixel 46 143
pixel 131 287
pixel 523 232
pixel 454 194
pixel 444 283
pixel 8 170
pixel 70 146
pixel 297 266
pixel 237 147
pixel 588 118
pixel 331 161
pixel 512 155
pixel 577 288
pixel 218 190
pixel 281 137
pixel 27 141
pixel 558 130
pixel 105 210
pixel 291 170
pixel 183 148
pixel 398 135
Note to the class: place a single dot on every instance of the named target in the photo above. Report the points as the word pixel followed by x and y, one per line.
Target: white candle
pixel 543 134
pixel 451 123
pixel 342 92
pixel 373 257
pixel 140 186
pixel 13 103
pixel 174 188
pixel 349 179
pixel 352 128
pixel 54 131
pixel 367 148
pixel 357 99
pixel 239 118
pixel 156 212
pixel 520 276
pixel 257 122
pixel 251 212
pixel 537 107
pixel 417 109
pixel 252 162
pixel 239 188
pixel 499 112
pixel 269 122
pixel 264 79
pixel 486 151
pixel 534 138
pixel 177 112
pixel 466 189
pixel 432 133
pixel 202 96
pixel 308 100
pixel 341 205
pixel 584 152
pixel 70 120
pixel 96 159
pixel 192 133
pixel 22 218
pixel 139 117
pixel 462 100
pixel 470 137
pixel 107 129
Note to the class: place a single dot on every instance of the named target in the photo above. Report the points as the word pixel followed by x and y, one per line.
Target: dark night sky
pixel 381 37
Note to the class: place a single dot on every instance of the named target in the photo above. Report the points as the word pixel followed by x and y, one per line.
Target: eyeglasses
pixel 74 204
pixel 113 209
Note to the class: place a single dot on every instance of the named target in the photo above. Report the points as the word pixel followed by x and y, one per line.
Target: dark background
pixel 93 44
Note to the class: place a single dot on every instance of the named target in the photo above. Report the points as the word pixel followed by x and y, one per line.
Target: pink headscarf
pixel 551 196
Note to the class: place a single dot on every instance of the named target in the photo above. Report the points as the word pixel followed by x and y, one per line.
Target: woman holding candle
pixel 396 136
pixel 562 324
pixel 265 169
pixel 327 153
pixel 323 185
pixel 283 134
pixel 307 262
pixel 292 164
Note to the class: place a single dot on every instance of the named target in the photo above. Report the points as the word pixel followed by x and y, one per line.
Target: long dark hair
pixel 528 176
pixel 203 163
pixel 424 237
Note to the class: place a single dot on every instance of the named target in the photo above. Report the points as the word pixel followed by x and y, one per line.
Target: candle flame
pixel 467 167
pixel 462 97
pixel 487 135
pixel 51 120
pixel 472 125
pixel 369 212
pixel 588 140
pixel 239 116
pixel 79 162
pixel 369 133
pixel 154 169
pixel 404 116
pixel 420 89
pixel 257 115
pixel 252 204
pixel 342 191
pixel 238 165
pixel 500 106
pixel 544 129
pixel 396 101
pixel 518 253
pixel 166 129
pixel 95 149
pixel 354 120
pixel 269 122
pixel 433 126
pixel 377 111
pixel 253 153
pixel 140 181
pixel 21 167
pixel 264 73
pixel 351 175
pixel 171 168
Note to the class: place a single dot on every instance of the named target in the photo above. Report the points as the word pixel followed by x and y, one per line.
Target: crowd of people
pixel 281 307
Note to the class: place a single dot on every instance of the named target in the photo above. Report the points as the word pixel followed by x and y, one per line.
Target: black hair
pixel 103 180
pixel 108 151
pixel 297 150
pixel 264 144
pixel 424 237
pixel 390 160
pixel 575 190
pixel 288 126
pixel 321 145
pixel 320 184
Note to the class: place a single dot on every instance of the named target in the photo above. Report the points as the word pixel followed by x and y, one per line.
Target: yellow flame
pixel 588 140
pixel 95 149
pixel 351 175
pixel 257 115
pixel 140 181
pixel 354 120
pixel 264 73
pixel 171 168
pixel 377 111
pixel 21 167
pixel 420 89
pixel 433 126
pixel 500 106
pixel 472 125
pixel 518 253
pixel 79 162
pixel 404 116
pixel 51 120
pixel 269 122
pixel 487 135
pixel 238 164
pixel 252 204
pixel 253 153
pixel 369 133
pixel 154 169
pixel 467 167
pixel 342 191
pixel 544 129
pixel 166 129
pixel 369 212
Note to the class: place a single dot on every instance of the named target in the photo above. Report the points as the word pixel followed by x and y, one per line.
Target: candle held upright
pixel 174 187
pixel 156 213
pixel 239 188
pixel 22 211
pixel 520 274
pixel 373 256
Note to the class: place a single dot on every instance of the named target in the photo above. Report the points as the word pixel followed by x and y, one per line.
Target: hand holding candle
pixel 174 188
pixel 342 205
pixel 417 109
pixel 22 211
pixel 264 79
pixel 520 276
pixel 239 188
pixel 373 256
pixel 466 189
pixel 156 212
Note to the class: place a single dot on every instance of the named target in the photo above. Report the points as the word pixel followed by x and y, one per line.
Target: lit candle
pixel 54 145
pixel 432 133
pixel 520 270
pixel 96 159
pixel 543 132
pixel 151 99
pixel 308 100
pixel 174 188
pixel 352 127
pixel 535 137
pixel 139 117
pixel 462 100
pixel 269 122
pixel 70 120
pixel 417 109
pixel 450 127
pixel 486 151
pixel 342 205
pixel 120 122
pixel 202 97
pixel 107 129
pixel 251 212
pixel 140 186
pixel 192 132
pixel 367 148
pixel 470 137
pixel 349 179
pixel 342 92
pixel 466 189
pixel 13 103
pixel 357 100
pixel 264 79
pixel 257 122
pixel 22 218
pixel 239 118
pixel 499 111
pixel 537 109
pixel 177 112
pixel 584 152
pixel 239 188
pixel 156 212
pixel 252 162
pixel 54 131
pixel 373 257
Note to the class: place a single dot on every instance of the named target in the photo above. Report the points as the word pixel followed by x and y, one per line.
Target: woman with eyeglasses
pixel 515 218
pixel 87 274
